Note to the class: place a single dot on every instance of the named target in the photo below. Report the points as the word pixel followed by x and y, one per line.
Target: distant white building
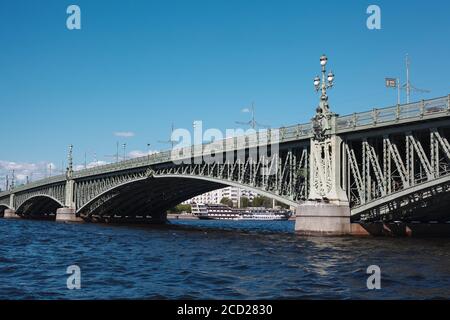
pixel 214 197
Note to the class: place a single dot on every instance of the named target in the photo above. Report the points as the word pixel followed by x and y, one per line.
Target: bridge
pixel 342 174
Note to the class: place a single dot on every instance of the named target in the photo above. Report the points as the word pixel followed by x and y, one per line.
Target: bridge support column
pixel 323 219
pixel 67 215
pixel 69 212
pixel 10 214
pixel 327 212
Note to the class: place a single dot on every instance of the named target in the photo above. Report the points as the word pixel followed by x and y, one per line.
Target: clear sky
pixel 136 66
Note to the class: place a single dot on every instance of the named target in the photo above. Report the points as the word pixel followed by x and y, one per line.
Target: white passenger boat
pixel 222 212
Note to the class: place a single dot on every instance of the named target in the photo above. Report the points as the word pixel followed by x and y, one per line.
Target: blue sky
pixel 136 66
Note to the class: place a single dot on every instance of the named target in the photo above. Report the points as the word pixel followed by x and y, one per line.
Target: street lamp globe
pixel 323 60
pixel 316 81
pixel 330 77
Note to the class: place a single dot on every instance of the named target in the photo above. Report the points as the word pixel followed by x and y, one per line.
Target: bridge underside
pixel 2 210
pixel 145 200
pixel 429 202
pixel 41 207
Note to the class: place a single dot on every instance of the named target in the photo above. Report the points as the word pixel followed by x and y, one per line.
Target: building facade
pixel 214 197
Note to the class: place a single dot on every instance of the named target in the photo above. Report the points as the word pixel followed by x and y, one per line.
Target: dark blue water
pixel 213 260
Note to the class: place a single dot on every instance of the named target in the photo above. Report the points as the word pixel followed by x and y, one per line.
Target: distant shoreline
pixel 179 216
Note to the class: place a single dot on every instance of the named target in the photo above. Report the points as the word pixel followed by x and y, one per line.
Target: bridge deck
pixel 377 118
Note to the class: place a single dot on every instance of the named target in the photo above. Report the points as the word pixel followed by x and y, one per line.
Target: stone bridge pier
pixel 327 209
pixel 68 213
pixel 10 213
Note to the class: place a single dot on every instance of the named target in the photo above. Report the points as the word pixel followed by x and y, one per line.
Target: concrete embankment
pixel 176 216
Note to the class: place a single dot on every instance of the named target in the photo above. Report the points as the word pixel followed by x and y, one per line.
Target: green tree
pixel 245 202
pixel 181 208
pixel 261 201
pixel 227 201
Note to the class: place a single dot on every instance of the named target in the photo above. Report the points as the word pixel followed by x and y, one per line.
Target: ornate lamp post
pixel 327 210
pixel 124 146
pixel 325 151
pixel 68 212
pixel 69 169
pixel 13 181
pixel 327 81
pixel 321 121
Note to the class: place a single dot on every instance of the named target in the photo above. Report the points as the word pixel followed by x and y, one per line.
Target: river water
pixel 213 260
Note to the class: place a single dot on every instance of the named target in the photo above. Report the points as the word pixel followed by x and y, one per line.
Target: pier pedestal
pixel 322 219
pixel 67 215
pixel 10 214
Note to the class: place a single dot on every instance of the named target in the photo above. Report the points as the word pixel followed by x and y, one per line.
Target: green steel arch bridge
pixel 383 165
pixel 383 170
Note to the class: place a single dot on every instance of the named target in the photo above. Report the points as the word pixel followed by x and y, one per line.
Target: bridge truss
pixel 387 173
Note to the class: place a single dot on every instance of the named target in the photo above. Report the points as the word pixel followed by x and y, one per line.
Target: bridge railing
pixel 4 194
pixel 417 110
pixel 35 184
pixel 159 157
pixel 283 135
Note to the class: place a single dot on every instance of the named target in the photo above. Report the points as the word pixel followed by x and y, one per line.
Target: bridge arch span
pixel 3 207
pixel 153 196
pixel 229 183
pixel 39 205
pixel 426 201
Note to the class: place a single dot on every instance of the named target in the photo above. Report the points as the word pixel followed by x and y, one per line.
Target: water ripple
pixel 213 260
